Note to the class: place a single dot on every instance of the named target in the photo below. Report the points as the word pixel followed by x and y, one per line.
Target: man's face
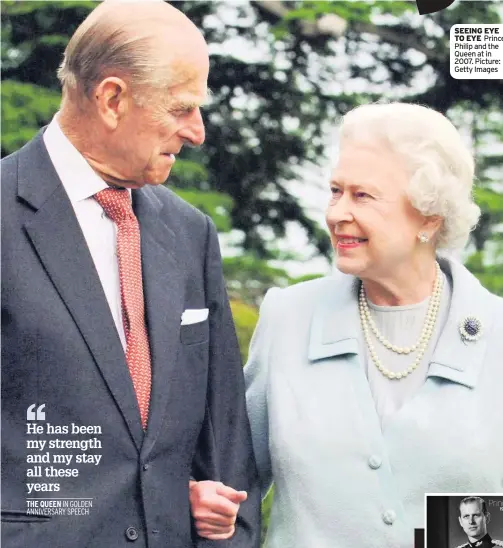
pixel 144 148
pixel 473 520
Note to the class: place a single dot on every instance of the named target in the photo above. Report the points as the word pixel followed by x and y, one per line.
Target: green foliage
pixel 491 201
pixel 394 71
pixel 305 278
pixel 245 318
pixel 269 115
pixel 215 204
pixel 266 512
pixel 248 278
pixel 490 276
pixel 188 173
pixel 25 108
pixel 349 11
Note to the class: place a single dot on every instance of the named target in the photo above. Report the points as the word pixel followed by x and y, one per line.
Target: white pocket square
pixel 194 315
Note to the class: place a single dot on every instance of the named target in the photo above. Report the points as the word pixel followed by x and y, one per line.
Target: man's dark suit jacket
pixel 60 348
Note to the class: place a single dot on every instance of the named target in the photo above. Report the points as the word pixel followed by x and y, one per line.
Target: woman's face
pixel 373 226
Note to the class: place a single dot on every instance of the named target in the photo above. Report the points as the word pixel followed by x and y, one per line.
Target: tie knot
pixel 116 203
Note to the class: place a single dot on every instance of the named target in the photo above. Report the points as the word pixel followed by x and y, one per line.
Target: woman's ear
pixel 432 225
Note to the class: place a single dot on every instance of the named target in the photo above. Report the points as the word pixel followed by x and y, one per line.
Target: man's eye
pixel 362 195
pixel 335 191
pixel 182 111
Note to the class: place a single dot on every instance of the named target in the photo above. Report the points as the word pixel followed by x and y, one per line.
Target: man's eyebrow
pixel 190 104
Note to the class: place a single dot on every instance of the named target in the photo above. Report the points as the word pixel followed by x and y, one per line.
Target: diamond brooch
pixel 470 328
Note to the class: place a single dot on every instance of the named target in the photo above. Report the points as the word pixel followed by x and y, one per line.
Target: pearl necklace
pixel 420 345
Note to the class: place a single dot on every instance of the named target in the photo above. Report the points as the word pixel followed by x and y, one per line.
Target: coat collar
pixel 335 326
pixel 336 329
pixel 455 359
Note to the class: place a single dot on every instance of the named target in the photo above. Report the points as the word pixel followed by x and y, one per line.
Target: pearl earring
pixel 423 237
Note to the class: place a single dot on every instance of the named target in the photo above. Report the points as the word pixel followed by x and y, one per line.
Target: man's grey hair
pixel 123 48
pixel 441 167
pixel 479 500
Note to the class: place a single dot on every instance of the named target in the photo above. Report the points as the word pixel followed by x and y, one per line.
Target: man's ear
pixel 112 96
pixel 460 522
pixel 488 517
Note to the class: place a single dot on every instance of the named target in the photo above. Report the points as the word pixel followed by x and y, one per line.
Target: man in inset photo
pixel 473 518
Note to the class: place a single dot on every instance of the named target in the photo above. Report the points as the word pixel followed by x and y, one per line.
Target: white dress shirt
pixel 81 182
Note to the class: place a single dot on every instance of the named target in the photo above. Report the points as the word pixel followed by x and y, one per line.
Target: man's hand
pixel 214 507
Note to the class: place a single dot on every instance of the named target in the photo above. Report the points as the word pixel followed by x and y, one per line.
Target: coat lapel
pixel 163 286
pixel 455 359
pixel 335 326
pixel 60 245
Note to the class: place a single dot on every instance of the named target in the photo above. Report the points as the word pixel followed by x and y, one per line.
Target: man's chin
pixel 156 179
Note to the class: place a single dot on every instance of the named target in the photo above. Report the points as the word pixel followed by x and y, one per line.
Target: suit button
pixel 389 517
pixel 145 467
pixel 375 462
pixel 131 534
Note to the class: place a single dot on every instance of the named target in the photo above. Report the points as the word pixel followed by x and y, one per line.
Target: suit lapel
pixel 61 247
pixel 163 286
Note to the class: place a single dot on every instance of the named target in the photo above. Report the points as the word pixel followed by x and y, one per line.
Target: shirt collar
pixel 77 176
pixel 478 543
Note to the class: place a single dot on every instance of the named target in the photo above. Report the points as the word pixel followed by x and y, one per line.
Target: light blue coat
pixel 340 480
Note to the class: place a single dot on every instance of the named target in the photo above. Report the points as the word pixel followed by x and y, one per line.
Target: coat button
pixel 389 517
pixel 145 467
pixel 375 462
pixel 131 533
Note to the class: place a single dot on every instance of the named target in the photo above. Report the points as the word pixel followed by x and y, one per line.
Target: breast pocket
pixel 195 333
pixel 21 516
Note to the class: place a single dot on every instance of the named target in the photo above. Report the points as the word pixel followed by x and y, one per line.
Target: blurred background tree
pixel 282 73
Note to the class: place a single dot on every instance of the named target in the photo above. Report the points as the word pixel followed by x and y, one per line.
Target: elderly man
pixel 121 376
pixel 473 518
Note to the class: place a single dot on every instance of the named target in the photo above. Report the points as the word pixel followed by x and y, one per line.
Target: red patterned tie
pixel 117 205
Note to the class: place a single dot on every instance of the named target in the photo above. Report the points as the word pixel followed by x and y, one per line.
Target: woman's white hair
pixel 441 167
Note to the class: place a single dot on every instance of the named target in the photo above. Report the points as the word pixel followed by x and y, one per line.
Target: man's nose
pixel 193 131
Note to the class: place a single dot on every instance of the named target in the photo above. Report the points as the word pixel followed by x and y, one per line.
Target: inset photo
pixel 470 520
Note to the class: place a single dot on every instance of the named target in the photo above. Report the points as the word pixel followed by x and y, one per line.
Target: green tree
pixel 407 49
pixel 270 112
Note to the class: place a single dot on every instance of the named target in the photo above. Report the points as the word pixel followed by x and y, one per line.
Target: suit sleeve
pixel 224 449
pixel 256 382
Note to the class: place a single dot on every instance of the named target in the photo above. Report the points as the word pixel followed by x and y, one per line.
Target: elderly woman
pixel 372 387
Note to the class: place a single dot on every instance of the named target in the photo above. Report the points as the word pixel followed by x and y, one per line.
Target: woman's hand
pixel 214 507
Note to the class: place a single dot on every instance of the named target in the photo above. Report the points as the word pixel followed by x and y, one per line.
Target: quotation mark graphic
pixel 38 415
